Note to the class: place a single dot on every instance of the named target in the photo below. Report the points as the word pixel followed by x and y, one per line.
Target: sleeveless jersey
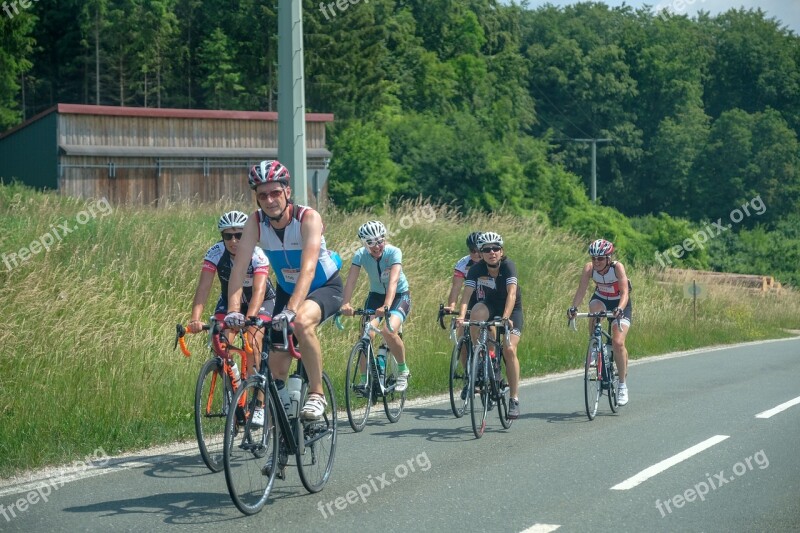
pixel 607 285
pixel 284 254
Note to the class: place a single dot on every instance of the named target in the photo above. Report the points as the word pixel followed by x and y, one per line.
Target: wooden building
pixel 146 155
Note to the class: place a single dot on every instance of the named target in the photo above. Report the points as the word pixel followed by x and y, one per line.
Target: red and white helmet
pixel 267 171
pixel 601 248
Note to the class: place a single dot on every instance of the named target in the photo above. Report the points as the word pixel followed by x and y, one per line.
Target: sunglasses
pixel 231 236
pixel 474 251
pixel 374 242
pixel 599 258
pixel 272 195
pixel 490 249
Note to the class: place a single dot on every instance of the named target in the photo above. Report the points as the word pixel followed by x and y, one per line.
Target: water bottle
pixel 283 394
pixel 294 385
pixel 237 376
pixel 382 351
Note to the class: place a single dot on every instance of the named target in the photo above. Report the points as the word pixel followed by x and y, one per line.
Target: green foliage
pixel 364 175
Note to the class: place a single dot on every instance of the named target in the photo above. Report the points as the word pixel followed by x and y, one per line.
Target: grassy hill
pixel 87 361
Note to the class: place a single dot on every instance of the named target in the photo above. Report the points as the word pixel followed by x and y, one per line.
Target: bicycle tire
pixel 315 457
pixel 478 410
pixel 248 449
pixel 613 383
pixel 357 393
pixel 212 399
pixel 393 401
pixel 503 396
pixel 592 387
pixel 459 378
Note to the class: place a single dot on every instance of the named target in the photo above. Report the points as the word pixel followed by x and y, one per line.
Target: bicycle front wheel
pixel 503 395
pixel 358 387
pixel 315 456
pixel 591 379
pixel 393 401
pixel 478 388
pixel 212 400
pixel 613 383
pixel 459 379
pixel 250 450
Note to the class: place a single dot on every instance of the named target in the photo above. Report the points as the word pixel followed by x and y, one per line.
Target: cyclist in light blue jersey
pixel 388 287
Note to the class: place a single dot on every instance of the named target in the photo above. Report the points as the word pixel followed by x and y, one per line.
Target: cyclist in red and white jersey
pixel 258 295
pixel 460 271
pixel 612 292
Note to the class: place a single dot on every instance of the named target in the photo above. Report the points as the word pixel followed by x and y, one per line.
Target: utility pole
pixel 593 186
pixel 291 96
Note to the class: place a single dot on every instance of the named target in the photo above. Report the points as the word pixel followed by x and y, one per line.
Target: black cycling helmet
pixel 472 240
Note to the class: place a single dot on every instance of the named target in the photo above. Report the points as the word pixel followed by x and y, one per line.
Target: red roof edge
pixel 80 109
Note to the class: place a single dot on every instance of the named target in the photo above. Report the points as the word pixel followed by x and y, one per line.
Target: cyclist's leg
pixel 279 362
pixel 618 335
pixel 318 306
pixel 398 312
pixel 510 353
pixel 478 312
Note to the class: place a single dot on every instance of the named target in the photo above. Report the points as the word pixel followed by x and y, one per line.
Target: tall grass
pixel 87 360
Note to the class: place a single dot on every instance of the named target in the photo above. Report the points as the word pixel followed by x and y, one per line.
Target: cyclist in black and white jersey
pixel 612 292
pixel 494 282
pixel 258 295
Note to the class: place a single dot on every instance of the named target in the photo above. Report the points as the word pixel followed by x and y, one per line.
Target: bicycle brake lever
pixel 180 331
pixel 337 320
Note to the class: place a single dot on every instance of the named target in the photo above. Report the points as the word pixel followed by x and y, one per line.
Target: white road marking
pixel 778 409
pixel 659 467
pixel 541 528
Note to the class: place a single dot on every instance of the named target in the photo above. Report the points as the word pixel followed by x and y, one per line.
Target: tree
pixel 221 81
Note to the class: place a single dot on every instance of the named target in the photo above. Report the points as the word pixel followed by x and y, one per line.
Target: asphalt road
pixel 688 453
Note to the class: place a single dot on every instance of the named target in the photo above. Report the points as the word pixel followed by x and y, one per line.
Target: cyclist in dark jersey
pixel 494 281
pixel 612 293
pixel 258 295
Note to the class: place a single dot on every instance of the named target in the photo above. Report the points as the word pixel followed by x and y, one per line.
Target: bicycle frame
pixel 366 339
pixel 598 367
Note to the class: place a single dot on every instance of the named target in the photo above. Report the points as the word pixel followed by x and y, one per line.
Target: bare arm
pixel 201 294
pixel 583 285
pixel 311 232
pixel 350 285
pixel 622 276
pixel 465 301
pixel 511 300
pixel 455 288
pixel 259 291
pixel 244 255
pixel 391 287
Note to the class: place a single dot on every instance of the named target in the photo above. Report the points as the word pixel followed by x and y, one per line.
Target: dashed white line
pixel 659 467
pixel 775 410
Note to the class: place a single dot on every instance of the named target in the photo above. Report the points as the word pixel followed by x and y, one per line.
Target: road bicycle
pixel 485 374
pixel 254 455
pixel 370 377
pixel 458 378
pixel 600 370
pixel 216 385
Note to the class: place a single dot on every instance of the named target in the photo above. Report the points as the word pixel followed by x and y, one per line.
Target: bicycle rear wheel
pixel 248 449
pixel 358 387
pixel 315 456
pixel 478 409
pixel 459 379
pixel 212 400
pixel 393 401
pixel 591 379
pixel 613 383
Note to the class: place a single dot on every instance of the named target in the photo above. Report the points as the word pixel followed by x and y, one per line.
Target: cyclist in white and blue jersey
pixel 388 287
pixel 309 287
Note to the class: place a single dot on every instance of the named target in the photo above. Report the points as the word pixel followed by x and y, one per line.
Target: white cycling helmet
pixel 231 219
pixel 489 237
pixel 374 229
